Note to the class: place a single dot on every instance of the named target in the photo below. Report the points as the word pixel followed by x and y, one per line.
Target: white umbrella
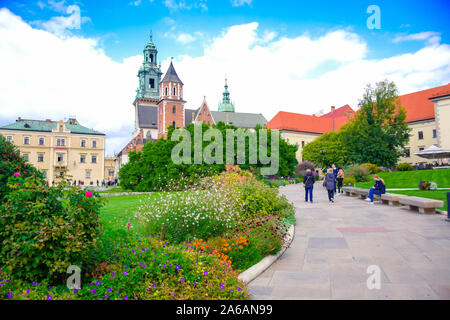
pixel 433 152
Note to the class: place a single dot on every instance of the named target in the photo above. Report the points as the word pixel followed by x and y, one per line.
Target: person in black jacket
pixel 379 188
pixel 308 183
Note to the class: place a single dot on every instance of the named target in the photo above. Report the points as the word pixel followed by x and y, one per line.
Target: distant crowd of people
pixel 333 182
pixel 104 183
pixel 427 166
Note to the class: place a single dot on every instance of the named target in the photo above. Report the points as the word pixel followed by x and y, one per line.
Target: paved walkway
pixel 334 244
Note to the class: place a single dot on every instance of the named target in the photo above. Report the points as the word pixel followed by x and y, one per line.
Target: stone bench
pixel 424 205
pixel 392 199
pixel 356 192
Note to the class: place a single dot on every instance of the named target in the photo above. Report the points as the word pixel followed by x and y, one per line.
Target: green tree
pixel 378 133
pixel 326 150
pixel 11 162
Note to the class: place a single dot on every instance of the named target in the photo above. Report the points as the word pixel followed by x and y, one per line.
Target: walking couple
pixel 333 175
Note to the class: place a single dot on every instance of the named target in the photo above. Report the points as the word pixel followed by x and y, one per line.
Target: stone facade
pixel 60 149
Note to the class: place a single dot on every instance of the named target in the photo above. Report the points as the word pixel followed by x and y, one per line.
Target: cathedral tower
pixel 226 105
pixel 171 103
pixel 149 74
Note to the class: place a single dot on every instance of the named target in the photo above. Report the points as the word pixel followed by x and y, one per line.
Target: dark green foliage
pixel 326 150
pixel 153 168
pixel 41 234
pixel 11 162
pixel 378 133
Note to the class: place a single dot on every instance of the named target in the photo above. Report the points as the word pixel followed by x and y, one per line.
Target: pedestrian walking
pixel 335 172
pixel 308 183
pixel 340 179
pixel 330 183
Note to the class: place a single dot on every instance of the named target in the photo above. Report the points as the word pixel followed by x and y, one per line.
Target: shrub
pixel 42 235
pixel 303 166
pixel 349 180
pixel 404 166
pixel 373 168
pixel 359 172
pixel 10 163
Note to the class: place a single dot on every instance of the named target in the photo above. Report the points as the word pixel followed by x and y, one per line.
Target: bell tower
pixel 226 105
pixel 171 103
pixel 149 74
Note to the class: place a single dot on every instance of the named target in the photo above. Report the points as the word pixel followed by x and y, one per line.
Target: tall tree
pixel 326 150
pixel 379 132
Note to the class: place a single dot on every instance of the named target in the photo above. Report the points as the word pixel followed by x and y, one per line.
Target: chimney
pixel 333 108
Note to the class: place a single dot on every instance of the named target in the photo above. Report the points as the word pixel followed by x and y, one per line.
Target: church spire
pixel 226 105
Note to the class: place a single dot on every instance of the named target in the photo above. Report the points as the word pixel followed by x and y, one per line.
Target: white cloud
pixel 185 38
pixel 432 38
pixel 175 5
pixel 45 76
pixel 240 3
pixel 61 24
pixel 135 3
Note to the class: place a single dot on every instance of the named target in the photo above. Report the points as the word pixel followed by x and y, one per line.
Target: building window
pixel 152 83
pixel 59 174
pixel 60 142
pixel 26 156
pixel 421 148
pixel 94 159
pixel 166 91
pixel 82 158
pixel 173 124
pixel 41 141
pixel 151 59
pixel 26 140
pixel 111 172
pixel 174 109
pixel 174 91
pixel 88 174
pixel 44 174
pixel 83 143
pixel 60 128
pixel 420 135
pixel 408 153
pixel 303 144
pixel 40 157
pixel 434 133
pixel 60 157
pixel 9 138
pixel 94 144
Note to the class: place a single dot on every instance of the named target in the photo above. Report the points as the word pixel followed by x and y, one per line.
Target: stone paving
pixel 335 243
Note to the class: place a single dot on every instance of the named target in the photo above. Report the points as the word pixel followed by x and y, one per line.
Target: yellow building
pixel 60 148
pixel 110 169
pixel 427 121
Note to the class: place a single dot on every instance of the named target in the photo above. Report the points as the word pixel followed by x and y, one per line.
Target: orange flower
pixel 240 247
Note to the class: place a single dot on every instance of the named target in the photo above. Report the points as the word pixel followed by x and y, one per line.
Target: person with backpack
pixel 308 183
pixel 335 172
pixel 330 183
pixel 340 179
pixel 379 188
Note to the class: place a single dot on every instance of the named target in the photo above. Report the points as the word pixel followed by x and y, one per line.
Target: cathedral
pixel 159 104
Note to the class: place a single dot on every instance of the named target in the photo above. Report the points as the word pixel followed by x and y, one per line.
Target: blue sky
pixel 123 25
pixel 81 57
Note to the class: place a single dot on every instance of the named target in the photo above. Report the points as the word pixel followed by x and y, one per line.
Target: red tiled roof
pixel 340 112
pixel 417 104
pixel 307 123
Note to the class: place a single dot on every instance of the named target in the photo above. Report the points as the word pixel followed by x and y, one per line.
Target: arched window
pixel 174 91
pixel 173 124
pixel 151 58
pixel 174 109
pixel 166 91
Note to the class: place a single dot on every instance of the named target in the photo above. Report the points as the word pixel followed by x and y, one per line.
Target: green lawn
pixel 437 194
pixel 411 179
pixel 117 211
pixel 114 190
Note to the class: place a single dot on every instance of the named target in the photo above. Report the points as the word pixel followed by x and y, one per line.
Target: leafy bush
pixel 359 172
pixel 42 235
pixel 142 268
pixel 10 163
pixel 373 168
pixel 404 166
pixel 349 180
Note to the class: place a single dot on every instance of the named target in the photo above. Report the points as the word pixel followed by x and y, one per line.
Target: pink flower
pixel 128 226
pixel 88 194
pixel 16 174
